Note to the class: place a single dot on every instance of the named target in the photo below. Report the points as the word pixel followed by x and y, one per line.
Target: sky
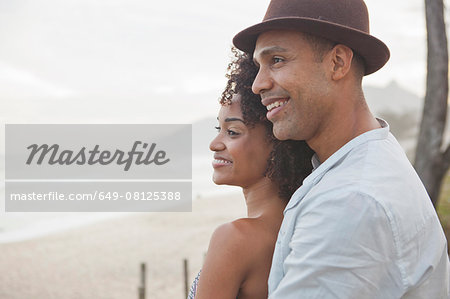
pixel 135 61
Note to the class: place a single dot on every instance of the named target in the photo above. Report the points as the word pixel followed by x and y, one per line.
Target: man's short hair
pixel 321 46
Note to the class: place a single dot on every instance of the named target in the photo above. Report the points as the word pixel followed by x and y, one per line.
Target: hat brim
pixel 373 50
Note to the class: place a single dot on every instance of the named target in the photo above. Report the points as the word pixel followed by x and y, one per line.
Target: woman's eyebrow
pixel 233 119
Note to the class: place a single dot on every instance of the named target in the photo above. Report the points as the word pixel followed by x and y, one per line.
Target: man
pixel 362 224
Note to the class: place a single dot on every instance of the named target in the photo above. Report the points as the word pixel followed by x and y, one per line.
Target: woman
pixel 246 154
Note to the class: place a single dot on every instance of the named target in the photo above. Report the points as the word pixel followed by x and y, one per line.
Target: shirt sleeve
pixel 342 247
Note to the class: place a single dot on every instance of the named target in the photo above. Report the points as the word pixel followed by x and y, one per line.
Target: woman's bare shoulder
pixel 226 263
pixel 233 235
pixel 240 230
pixel 230 258
pixel 241 239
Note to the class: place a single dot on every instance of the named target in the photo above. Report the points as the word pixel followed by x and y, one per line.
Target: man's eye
pixel 277 59
pixel 217 128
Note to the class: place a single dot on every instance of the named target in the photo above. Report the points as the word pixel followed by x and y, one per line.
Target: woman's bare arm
pixel 226 263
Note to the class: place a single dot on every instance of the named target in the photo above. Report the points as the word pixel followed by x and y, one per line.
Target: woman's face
pixel 240 152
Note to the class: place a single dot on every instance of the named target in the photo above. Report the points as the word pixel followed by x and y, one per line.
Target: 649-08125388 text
pixel 99 195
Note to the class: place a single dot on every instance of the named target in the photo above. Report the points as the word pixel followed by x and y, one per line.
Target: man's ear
pixel 341 57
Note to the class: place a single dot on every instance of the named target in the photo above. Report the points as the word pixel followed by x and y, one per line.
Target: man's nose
pixel 262 82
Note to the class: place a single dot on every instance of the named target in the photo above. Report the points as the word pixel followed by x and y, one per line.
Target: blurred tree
pixel 432 162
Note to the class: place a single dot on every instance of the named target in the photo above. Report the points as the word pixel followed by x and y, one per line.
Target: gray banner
pixel 98 168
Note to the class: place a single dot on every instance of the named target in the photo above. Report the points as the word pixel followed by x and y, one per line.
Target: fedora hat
pixel 341 21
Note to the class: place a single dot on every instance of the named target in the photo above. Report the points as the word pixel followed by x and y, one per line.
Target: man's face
pixel 292 83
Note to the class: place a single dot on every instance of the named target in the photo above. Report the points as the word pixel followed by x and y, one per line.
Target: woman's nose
pixel 216 144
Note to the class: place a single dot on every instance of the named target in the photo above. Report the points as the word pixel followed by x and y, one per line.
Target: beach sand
pixel 102 260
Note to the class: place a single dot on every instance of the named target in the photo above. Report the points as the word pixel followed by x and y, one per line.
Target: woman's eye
pixel 217 129
pixel 232 133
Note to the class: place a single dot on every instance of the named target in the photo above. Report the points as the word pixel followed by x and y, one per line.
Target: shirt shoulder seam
pixel 395 235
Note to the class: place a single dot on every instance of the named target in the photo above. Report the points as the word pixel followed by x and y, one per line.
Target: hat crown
pixel 349 13
pixel 341 21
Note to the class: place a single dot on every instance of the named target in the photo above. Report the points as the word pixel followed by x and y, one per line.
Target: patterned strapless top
pixel 193 289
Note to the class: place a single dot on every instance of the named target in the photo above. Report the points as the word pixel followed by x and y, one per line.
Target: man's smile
pixel 274 106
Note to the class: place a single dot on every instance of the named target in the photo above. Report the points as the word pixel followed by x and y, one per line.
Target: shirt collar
pixel 380 133
pixel 320 169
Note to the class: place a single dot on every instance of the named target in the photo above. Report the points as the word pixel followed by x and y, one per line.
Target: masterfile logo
pixel 91 157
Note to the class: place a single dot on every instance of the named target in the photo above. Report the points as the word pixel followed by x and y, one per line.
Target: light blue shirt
pixel 361 226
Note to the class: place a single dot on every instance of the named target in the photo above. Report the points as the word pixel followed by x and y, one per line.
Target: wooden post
pixel 141 288
pixel 186 279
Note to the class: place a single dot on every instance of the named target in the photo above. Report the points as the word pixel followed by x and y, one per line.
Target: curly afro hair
pixel 289 162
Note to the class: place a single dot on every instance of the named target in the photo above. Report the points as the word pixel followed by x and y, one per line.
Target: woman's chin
pixel 218 181
pixel 221 180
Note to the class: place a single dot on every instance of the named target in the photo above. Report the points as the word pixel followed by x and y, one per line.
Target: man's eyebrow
pixel 269 51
